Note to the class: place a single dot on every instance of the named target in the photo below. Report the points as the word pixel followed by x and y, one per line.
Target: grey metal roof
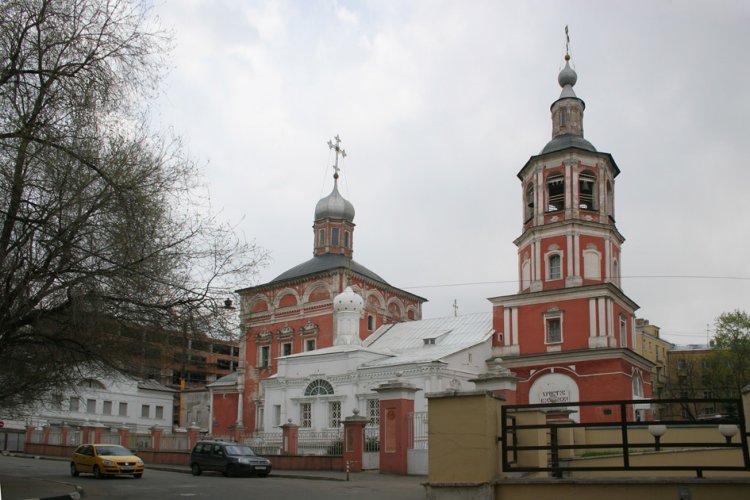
pixel 153 385
pixel 565 141
pixel 327 262
pixel 226 380
pixel 407 340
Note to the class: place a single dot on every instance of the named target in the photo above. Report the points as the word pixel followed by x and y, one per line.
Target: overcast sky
pixel 440 103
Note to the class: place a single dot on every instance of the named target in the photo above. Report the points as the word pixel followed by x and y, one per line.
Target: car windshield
pixel 113 450
pixel 239 450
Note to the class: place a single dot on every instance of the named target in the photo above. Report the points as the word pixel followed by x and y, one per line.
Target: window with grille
pixel 318 387
pixel 91 406
pixel 107 408
pixel 145 411
pixel 373 411
pixel 334 413
pixel 305 415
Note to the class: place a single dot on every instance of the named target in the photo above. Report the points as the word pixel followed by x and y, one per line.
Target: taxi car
pixel 231 459
pixel 105 460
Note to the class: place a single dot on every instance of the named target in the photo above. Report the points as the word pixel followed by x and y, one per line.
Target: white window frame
pixel 91 406
pixel 551 316
pixel 122 409
pixel 624 331
pixel 276 415
pixel 264 361
pixel 107 407
pixel 145 411
pixel 305 415
pixel 159 412
pixel 283 348
pixel 308 343
pixel 334 414
pixel 548 266
pixel 373 412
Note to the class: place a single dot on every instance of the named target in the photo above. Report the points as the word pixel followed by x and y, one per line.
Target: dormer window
pixel 430 341
pixel 555 192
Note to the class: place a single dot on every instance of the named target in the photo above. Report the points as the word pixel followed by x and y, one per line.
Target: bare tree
pixel 101 223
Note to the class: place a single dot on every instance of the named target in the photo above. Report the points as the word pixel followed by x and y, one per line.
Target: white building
pixel 317 389
pixel 115 402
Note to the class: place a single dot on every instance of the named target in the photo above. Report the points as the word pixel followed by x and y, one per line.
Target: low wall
pixel 182 458
pixel 624 489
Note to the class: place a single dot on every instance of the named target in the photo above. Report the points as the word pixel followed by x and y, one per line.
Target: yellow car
pixel 105 460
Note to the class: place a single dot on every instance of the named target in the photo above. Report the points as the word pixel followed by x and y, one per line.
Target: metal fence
pixel 265 443
pixel 177 441
pixel 139 441
pixel 417 428
pixel 372 439
pixel 726 426
pixel 330 442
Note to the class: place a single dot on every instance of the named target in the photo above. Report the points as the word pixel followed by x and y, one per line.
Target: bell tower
pixel 569 235
pixel 569 330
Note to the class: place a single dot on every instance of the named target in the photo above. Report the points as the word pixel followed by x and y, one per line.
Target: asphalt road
pixel 22 478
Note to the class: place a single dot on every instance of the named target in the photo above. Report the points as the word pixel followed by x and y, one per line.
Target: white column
pixel 569 253
pixel 514 315
pixel 507 340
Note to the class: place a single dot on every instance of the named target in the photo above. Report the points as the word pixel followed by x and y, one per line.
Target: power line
pixel 645 276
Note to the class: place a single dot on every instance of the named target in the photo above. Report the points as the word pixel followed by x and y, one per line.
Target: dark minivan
pixel 231 459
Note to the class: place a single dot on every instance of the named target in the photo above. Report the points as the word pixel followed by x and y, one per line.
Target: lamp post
pixel 728 431
pixel 657 430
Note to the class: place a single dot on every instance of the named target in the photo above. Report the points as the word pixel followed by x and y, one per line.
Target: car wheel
pixel 97 472
pixel 73 470
pixel 229 471
pixel 138 476
pixel 196 469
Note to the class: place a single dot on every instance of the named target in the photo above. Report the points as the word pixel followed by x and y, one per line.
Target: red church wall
pixel 224 412
pixel 597 380
pixel 575 325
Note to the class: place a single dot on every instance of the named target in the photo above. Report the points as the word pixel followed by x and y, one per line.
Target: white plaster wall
pixel 117 391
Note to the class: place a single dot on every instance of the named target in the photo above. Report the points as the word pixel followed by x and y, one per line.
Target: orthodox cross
pixel 567 43
pixel 455 307
pixel 339 150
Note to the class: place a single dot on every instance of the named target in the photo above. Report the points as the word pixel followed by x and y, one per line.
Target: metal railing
pixel 417 430
pixel 624 422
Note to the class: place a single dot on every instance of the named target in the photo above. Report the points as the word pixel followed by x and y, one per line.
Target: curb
pixel 78 494
pixel 181 470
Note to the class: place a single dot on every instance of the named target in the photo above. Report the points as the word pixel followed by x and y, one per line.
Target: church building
pixel 569 334
pixel 319 339
pixel 293 313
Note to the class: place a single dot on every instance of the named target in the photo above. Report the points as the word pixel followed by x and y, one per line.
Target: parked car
pixel 105 460
pixel 229 458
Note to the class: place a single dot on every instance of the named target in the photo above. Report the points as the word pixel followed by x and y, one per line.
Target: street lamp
pixel 657 430
pixel 728 431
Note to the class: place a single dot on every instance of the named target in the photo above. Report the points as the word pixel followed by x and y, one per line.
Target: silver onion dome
pixel 334 206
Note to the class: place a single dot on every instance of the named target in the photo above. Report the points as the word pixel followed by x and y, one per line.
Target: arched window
pixel 610 200
pixel 370 322
pixel 554 266
pixel 525 274
pixel 587 190
pixel 321 237
pixel 555 192
pixel 346 239
pixel 334 236
pixel 637 385
pixel 319 387
pixel 529 201
pixel 592 265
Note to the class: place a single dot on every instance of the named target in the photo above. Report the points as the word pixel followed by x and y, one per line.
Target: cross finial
pixel 455 307
pixel 335 144
pixel 567 44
